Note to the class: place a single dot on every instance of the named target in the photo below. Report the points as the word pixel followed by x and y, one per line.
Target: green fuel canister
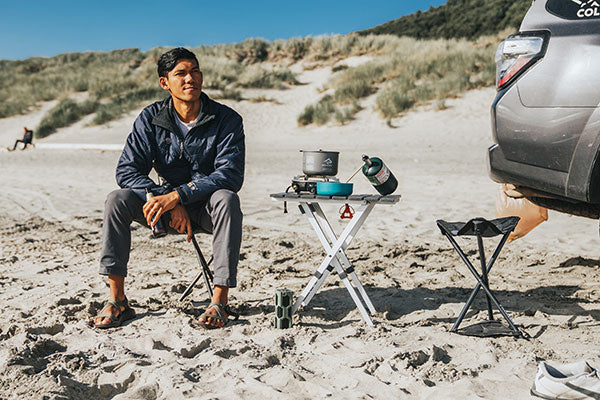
pixel 379 175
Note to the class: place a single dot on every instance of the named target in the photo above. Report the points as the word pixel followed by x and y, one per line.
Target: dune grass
pixel 228 93
pixel 403 73
pixel 310 48
pixel 263 99
pixel 28 82
pixel 121 104
pixel 319 113
pixel 258 77
pixel 65 113
pixel 120 81
pixel 415 73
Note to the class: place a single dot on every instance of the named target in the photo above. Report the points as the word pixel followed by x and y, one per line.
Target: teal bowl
pixel 334 188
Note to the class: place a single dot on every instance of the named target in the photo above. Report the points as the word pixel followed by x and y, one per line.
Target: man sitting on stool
pixel 27 139
pixel 197 146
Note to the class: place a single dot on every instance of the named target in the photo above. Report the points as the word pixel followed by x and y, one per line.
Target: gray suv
pixel 546 115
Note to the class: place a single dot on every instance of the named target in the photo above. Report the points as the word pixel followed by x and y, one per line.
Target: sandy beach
pixel 50 225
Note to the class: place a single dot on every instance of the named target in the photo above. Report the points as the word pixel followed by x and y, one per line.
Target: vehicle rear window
pixel 574 9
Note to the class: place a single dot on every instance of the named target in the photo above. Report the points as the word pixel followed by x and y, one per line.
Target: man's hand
pixel 158 205
pixel 180 221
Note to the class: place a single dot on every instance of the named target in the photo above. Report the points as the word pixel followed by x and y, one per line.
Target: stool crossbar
pixel 481 228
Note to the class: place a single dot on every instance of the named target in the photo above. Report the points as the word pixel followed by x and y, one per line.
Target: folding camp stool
pixel 481 228
pixel 204 272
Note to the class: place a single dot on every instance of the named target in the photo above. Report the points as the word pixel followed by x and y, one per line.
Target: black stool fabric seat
pixel 480 228
pixel 485 228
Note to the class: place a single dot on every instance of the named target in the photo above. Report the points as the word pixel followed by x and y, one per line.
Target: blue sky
pixel 50 27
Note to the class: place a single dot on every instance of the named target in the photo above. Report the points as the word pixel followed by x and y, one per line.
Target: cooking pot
pixel 321 163
pixel 334 188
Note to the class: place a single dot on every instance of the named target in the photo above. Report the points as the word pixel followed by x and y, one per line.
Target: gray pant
pixel 220 215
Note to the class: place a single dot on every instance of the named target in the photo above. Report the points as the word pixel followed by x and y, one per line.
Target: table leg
pixel 353 294
pixel 331 258
pixel 322 272
pixel 349 232
pixel 342 254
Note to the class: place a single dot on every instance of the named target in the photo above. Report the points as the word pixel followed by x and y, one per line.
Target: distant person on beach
pixel 196 146
pixel 27 139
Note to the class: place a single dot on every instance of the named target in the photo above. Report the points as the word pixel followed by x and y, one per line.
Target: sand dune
pixel 50 227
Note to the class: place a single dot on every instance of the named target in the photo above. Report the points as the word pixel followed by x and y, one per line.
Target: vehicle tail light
pixel 518 53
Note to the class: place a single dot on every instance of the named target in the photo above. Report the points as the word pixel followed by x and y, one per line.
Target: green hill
pixel 457 19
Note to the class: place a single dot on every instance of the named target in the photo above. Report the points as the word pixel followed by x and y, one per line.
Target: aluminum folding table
pixel 335 247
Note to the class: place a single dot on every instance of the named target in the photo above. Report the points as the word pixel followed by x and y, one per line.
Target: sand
pixel 50 227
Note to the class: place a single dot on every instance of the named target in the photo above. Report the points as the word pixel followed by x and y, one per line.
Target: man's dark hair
pixel 169 60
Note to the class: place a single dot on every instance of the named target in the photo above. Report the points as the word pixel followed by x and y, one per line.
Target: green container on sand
pixel 283 308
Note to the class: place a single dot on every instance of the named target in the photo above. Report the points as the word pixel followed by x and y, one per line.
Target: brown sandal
pixel 223 313
pixel 115 321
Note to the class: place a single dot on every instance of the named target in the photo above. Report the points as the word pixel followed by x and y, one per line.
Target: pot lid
pixel 319 151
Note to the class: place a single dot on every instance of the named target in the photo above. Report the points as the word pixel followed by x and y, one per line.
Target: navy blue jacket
pixel 210 157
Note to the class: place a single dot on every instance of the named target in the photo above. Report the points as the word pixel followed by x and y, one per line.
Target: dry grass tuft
pixel 414 73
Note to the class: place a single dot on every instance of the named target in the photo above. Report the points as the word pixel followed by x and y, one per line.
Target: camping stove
pixel 308 183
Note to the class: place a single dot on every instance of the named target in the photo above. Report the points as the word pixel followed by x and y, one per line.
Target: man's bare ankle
pixel 220 295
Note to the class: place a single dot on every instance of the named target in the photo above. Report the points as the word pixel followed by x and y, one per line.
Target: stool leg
pixel 480 284
pixel 492 297
pixel 484 275
pixel 205 272
pixel 190 287
pixel 205 269
pixel 465 308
